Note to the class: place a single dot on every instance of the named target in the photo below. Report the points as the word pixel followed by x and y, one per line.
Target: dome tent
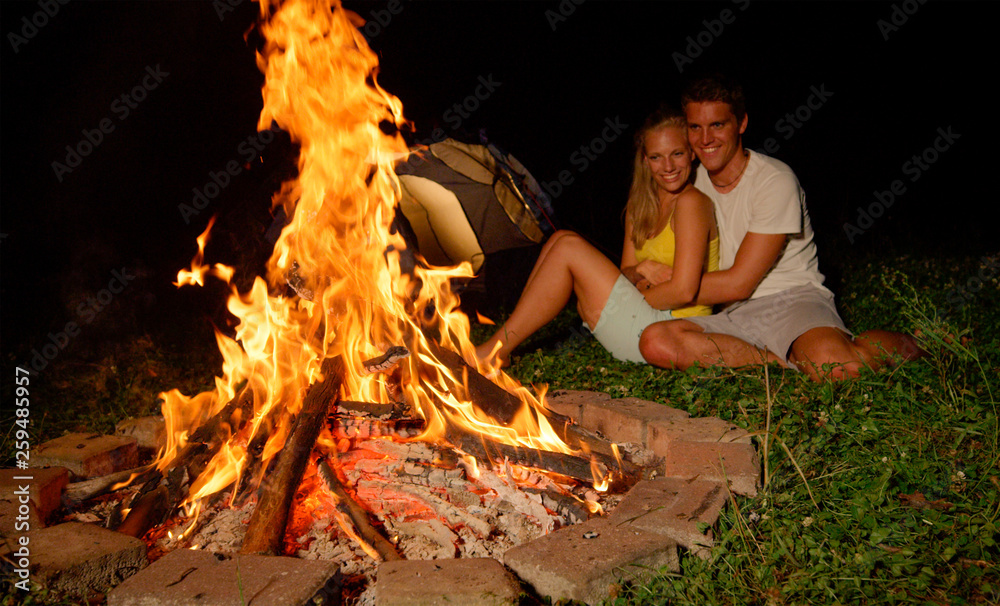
pixel 465 201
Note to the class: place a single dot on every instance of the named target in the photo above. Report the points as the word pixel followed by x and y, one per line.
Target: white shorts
pixel 624 317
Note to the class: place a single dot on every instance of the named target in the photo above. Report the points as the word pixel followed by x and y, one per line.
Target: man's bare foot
pixel 944 342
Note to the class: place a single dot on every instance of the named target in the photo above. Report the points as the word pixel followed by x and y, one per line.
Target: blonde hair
pixel 643 208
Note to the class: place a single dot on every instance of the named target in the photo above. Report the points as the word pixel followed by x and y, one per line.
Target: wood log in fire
pixel 266 530
pixel 501 405
pixel 356 514
pixel 78 492
pixel 572 466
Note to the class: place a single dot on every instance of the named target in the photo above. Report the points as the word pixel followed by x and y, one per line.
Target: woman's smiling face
pixel 669 158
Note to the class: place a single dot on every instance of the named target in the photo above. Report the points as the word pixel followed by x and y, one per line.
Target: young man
pixel 776 308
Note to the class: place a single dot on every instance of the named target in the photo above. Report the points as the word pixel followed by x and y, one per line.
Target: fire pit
pixel 352 423
pixel 279 437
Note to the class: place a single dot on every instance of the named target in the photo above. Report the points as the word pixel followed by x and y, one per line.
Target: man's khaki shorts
pixel 774 322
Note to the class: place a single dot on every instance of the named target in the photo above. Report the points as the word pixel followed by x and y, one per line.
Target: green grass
pixel 838 520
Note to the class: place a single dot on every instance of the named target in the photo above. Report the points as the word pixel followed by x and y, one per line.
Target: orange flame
pixel 338 249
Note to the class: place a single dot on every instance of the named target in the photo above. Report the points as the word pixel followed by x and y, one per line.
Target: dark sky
pixel 848 92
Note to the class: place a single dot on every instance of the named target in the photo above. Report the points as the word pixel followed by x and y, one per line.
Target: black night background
pixel 161 96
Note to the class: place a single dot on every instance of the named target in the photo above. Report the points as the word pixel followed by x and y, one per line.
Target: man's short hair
pixel 716 87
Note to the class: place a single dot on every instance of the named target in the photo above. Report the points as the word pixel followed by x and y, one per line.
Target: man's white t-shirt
pixel 767 200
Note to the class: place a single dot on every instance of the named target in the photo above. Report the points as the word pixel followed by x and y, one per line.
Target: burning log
pixel 386 361
pixel 493 400
pixel 501 405
pixel 147 511
pixel 78 492
pixel 267 524
pixel 356 514
pixel 209 431
pixel 571 466
pixel 255 452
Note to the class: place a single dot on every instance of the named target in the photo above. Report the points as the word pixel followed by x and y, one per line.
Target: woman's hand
pixel 654 272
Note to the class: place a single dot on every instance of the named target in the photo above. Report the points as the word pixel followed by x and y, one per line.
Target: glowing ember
pixel 321 88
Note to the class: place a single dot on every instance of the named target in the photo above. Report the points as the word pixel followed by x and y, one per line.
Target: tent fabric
pixel 463 204
pixel 435 214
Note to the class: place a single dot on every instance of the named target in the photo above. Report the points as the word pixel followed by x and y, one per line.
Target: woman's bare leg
pixel 567 264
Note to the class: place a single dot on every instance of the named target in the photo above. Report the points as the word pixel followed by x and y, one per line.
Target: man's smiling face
pixel 715 135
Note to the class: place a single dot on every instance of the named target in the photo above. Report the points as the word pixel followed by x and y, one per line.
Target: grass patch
pixel 882 489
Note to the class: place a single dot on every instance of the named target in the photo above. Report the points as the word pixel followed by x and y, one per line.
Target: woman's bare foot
pixel 489 356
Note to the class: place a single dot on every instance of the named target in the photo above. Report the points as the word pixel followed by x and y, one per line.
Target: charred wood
pixel 356 514
pixel 266 530
pixel 146 511
pixel 78 492
pixel 577 467
pixel 255 452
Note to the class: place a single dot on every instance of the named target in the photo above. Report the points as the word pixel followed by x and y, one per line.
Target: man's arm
pixel 628 255
pixel 757 255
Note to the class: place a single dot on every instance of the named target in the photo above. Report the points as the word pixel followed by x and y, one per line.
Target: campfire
pixel 351 415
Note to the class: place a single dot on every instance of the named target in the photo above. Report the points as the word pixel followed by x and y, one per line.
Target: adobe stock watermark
pixel 584 155
pixel 202 196
pixel 224 7
pixel 914 168
pixel 455 115
pixel 30 26
pixel 898 17
pixel 380 19
pixel 87 311
pixel 458 112
pixel 563 12
pixel 960 296
pixel 122 108
pixel 697 44
pixel 794 120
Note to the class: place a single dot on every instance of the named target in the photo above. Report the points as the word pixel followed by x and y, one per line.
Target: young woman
pixel 671 239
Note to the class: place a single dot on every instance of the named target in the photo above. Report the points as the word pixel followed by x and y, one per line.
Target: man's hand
pixel 654 272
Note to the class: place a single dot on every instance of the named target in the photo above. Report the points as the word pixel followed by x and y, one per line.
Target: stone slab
pixel 465 582
pixel 17 518
pixel 734 464
pixel 626 419
pixel 87 455
pixel 82 559
pixel 565 565
pixel 674 508
pixel 186 576
pixel 45 487
pixel 150 432
pixel 570 403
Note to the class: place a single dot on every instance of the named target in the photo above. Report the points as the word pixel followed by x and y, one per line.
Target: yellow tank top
pixel 660 248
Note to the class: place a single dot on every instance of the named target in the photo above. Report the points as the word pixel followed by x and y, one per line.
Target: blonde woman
pixel 671 240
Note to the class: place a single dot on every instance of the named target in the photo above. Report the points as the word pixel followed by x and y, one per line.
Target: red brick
pixel 565 565
pixel 570 403
pixel 45 486
pixel 186 576
pixel 701 429
pixel 466 582
pixel 87 455
pixel 17 518
pixel 626 419
pixel 734 463
pixel 149 432
pixel 83 559
pixel 674 508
